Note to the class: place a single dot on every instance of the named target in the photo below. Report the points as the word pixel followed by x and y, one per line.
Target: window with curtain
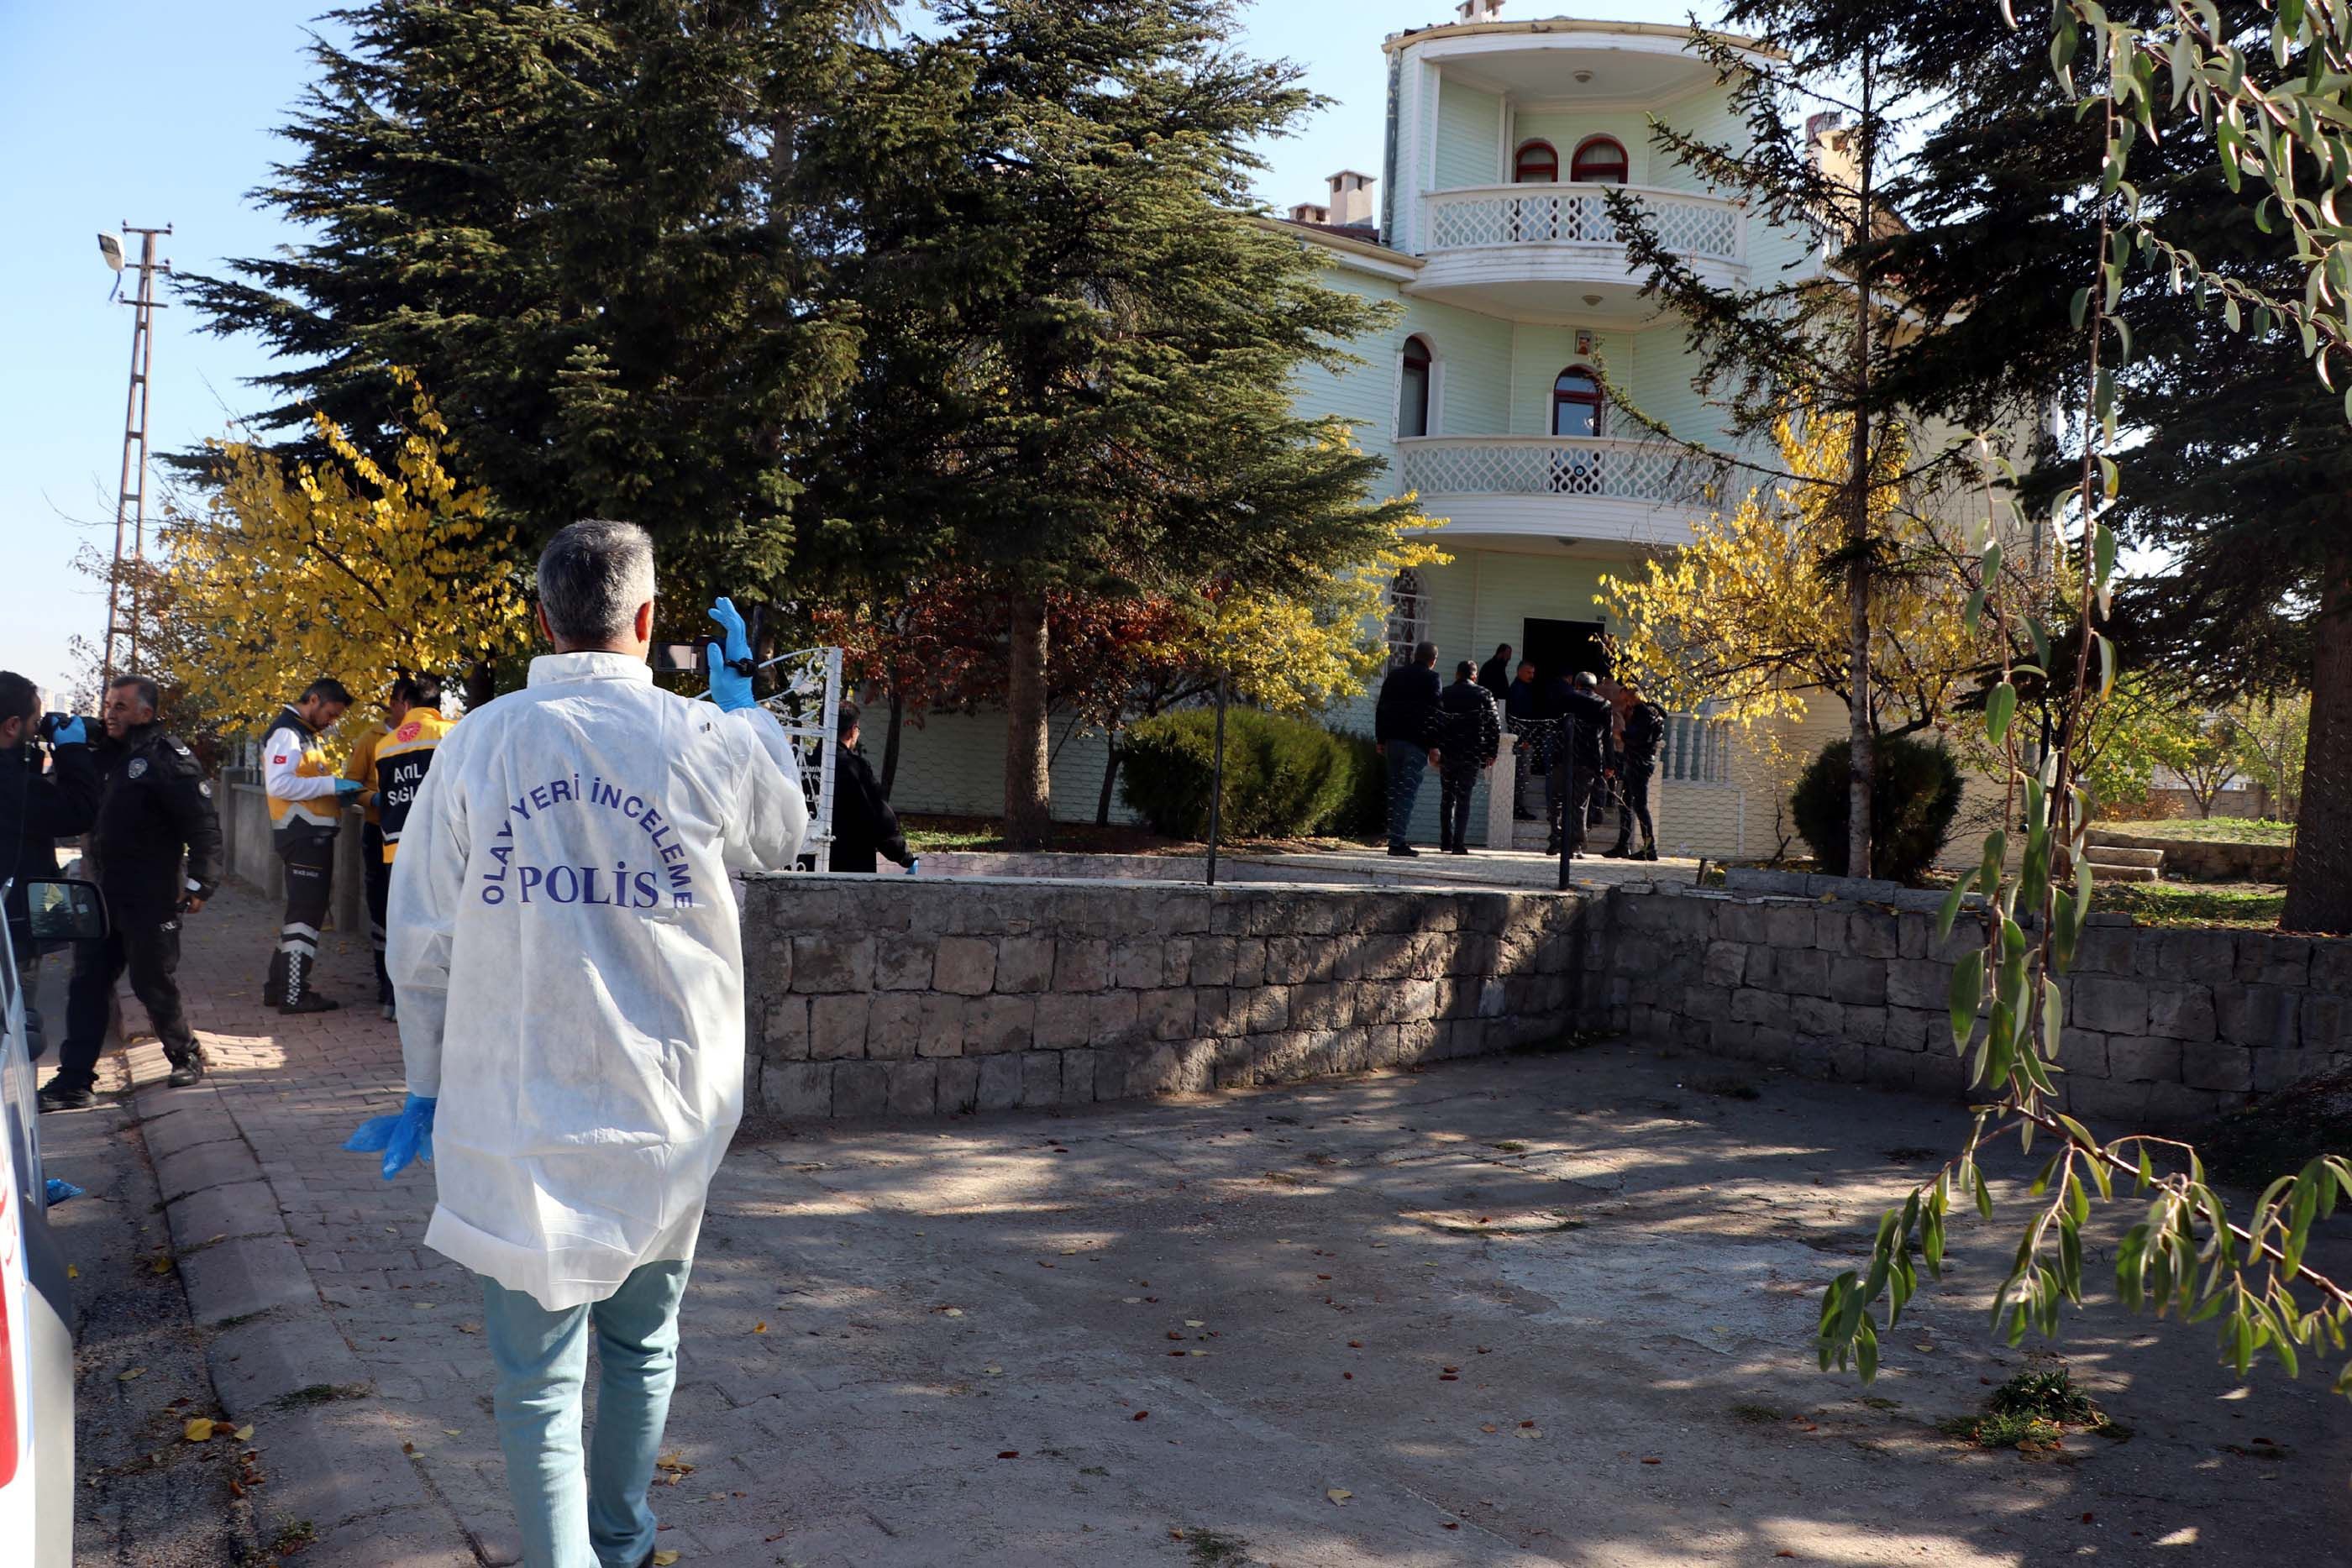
pixel 1599 160
pixel 1576 403
pixel 1538 164
pixel 1413 398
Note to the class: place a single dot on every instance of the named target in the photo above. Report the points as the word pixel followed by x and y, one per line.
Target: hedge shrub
pixel 1285 777
pixel 1915 793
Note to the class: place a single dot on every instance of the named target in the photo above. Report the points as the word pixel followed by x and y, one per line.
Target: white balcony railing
pixel 1692 224
pixel 1541 466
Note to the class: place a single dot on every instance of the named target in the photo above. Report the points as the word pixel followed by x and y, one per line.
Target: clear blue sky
pixel 153 112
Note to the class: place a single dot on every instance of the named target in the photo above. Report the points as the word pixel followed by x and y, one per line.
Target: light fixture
pixel 110 249
pixel 1582 78
pixel 1593 300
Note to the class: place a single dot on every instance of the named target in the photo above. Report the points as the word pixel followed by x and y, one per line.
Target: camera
pixel 52 722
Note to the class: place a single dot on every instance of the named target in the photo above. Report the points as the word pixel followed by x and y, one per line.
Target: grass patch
pixel 1725 1088
pixel 293 1537
pixel 2210 829
pixel 325 1394
pixel 1880 1402
pixel 1510 1146
pixel 1214 1548
pixel 2032 1412
pixel 1910 1155
pixel 2247 906
pixel 1757 1414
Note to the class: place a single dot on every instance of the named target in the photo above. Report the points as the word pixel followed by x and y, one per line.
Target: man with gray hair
pixel 563 944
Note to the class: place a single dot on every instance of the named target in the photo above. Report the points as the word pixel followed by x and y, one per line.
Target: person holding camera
pixel 39 806
pixel 305 813
pixel 156 849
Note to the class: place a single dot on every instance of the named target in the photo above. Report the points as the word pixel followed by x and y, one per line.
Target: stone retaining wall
pixel 2207 860
pixel 2163 1026
pixel 872 995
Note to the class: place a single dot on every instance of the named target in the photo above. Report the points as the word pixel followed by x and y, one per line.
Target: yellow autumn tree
pixel 1750 616
pixel 298 568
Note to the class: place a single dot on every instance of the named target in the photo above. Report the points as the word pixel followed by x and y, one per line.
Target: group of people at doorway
pixel 1590 742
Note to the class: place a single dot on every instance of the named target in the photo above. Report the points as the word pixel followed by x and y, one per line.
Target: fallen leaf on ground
pixel 1194 1323
pixel 1010 1454
pixel 72 1272
pixel 1529 1429
pixel 199 1430
pixel 1339 1494
pixel 1654 1461
pixel 664 1558
pixel 453 1431
pixel 1140 1414
pixel 952 1312
pixel 1490 1426
pixel 127 1377
pixel 993 1371
pixel 759 1327
pixel 244 1433
pixel 160 1266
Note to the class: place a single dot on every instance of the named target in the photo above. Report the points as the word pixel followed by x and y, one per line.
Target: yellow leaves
pixel 1339 1496
pixel 664 1558
pixel 199 1430
pixel 298 568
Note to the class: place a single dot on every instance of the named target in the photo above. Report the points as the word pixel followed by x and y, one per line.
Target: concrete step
pixel 2102 872
pixel 2116 854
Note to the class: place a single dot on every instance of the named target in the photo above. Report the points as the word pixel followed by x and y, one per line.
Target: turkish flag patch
pixel 277 762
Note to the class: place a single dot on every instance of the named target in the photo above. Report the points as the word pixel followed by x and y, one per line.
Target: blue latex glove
pixel 913 863
pixel 347 788
pixel 58 1189
pixel 402 1138
pixel 729 688
pixel 73 732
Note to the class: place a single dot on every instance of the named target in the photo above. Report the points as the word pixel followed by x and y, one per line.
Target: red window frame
pixel 1417 357
pixel 1536 163
pixel 1588 396
pixel 1599 160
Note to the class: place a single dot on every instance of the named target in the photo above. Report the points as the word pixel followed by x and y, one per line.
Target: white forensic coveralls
pixel 563 937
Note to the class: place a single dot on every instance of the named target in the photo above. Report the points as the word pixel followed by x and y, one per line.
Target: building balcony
pixel 1554 250
pixel 1559 487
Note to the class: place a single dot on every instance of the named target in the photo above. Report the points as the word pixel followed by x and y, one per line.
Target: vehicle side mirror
pixel 61 911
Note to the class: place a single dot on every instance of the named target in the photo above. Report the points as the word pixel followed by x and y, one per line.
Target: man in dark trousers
pixel 864 826
pixel 1523 716
pixel 1643 732
pixel 1470 740
pixel 1405 728
pixel 1495 674
pixel 37 808
pixel 155 811
pixel 1583 716
pixel 305 813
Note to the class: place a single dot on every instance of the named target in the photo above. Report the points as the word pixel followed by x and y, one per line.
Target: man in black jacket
pixel 155 811
pixel 862 823
pixel 1523 716
pixel 36 810
pixel 1583 716
pixel 1644 733
pixel 1495 674
pixel 1470 740
pixel 1405 727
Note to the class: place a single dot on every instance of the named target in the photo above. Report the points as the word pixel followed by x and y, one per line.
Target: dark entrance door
pixel 1562 647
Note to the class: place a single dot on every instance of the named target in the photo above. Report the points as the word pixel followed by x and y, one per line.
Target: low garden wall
pixel 2207 860
pixel 872 995
pixel 2163 1026
pixel 875 996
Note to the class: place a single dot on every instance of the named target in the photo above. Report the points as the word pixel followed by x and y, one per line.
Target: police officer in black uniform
pixel 39 806
pixel 1646 732
pixel 1583 716
pixel 155 811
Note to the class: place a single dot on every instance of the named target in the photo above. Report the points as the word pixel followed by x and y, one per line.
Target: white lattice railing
pixel 1697 750
pixel 1540 466
pixel 1578 214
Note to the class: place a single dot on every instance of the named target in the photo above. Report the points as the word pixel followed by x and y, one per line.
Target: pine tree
pixel 577 224
pixel 1081 342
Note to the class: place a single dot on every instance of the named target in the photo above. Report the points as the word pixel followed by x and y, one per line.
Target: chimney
pixel 1479 10
pixel 1310 213
pixel 1351 197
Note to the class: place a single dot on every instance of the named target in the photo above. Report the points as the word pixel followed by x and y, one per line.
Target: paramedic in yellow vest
pixel 401 760
pixel 361 765
pixel 305 806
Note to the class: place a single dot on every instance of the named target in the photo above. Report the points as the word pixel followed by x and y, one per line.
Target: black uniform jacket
pixel 156 806
pixel 1584 718
pixel 1472 735
pixel 863 822
pixel 1407 709
pixel 36 810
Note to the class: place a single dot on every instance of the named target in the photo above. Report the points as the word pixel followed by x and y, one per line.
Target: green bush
pixel 1915 794
pixel 1365 814
pixel 1285 777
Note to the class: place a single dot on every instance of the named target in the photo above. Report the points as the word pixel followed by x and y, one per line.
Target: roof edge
pixel 1396 41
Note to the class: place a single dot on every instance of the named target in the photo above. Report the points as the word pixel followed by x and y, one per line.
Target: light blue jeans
pixel 598 1519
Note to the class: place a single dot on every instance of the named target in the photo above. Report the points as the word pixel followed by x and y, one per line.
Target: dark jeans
pixel 1406 764
pixel 1570 793
pixel 310 861
pixel 1635 782
pixel 379 896
pixel 1454 788
pixel 150 949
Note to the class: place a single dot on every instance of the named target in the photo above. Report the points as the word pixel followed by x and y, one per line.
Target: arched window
pixel 1537 165
pixel 1599 160
pixel 1413 398
pixel 1576 403
pixel 1408 617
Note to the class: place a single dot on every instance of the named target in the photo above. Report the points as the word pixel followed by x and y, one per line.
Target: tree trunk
pixel 481 684
pixel 2319 889
pixel 1110 775
pixel 1028 776
pixel 890 739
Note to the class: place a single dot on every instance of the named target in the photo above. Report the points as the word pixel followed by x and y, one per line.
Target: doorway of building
pixel 1562 647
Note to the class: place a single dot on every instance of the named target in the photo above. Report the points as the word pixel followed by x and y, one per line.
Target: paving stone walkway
pixel 1551 1309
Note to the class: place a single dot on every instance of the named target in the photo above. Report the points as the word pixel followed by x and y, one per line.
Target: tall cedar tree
pixel 1812 342
pixel 576 224
pixel 2242 475
pixel 1081 347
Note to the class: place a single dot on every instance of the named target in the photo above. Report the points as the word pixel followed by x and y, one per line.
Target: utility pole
pixel 131 495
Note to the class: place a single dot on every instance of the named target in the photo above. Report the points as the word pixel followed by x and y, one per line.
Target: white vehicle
pixel 36 1356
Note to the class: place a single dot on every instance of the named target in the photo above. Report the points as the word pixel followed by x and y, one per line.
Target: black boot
pixel 187 1071
pixel 299 997
pixel 58 1097
pixel 273 989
